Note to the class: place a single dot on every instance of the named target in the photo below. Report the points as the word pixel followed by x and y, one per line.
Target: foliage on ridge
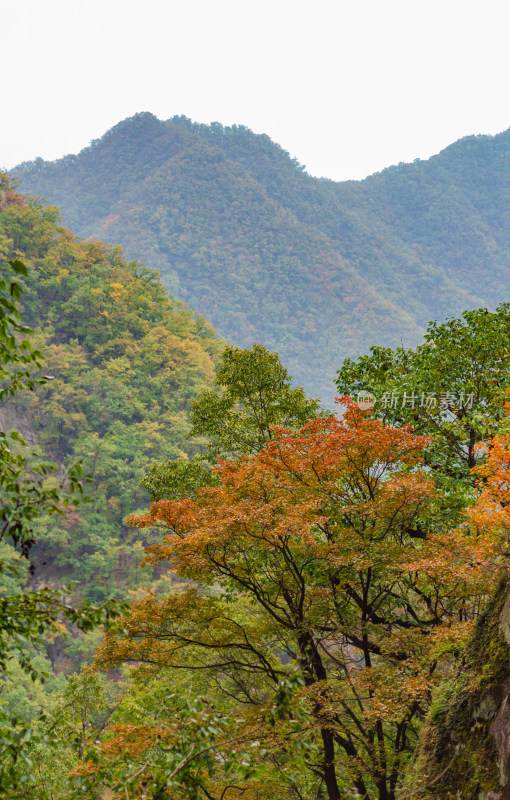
pixel 311 268
pixel 126 362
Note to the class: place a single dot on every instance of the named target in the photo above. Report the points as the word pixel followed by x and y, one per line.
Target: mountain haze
pixel 314 269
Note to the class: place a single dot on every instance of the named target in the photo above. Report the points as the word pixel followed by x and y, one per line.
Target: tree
pixel 255 394
pixel 451 387
pixel 319 596
pixel 461 742
pixel 252 394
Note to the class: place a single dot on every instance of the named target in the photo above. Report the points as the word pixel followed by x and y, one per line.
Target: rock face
pixel 464 752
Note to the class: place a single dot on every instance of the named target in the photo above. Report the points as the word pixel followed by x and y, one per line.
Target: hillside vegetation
pixel 315 269
pixel 126 362
pixel 302 599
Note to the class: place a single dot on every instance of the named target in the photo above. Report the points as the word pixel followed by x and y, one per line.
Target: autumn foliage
pixel 317 581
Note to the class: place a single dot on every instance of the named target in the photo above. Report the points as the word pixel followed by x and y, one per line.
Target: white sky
pixel 348 87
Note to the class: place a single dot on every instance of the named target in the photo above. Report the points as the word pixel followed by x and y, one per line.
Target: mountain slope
pixel 315 269
pixel 126 362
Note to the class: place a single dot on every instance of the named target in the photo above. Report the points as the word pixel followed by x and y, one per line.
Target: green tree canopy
pixel 451 387
pixel 255 393
pixel 252 393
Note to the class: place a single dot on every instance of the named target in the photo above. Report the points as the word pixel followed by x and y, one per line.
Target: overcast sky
pixel 348 87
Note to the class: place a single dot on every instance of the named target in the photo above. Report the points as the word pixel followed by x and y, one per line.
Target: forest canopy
pixel 310 581
pixel 313 269
pixel 126 362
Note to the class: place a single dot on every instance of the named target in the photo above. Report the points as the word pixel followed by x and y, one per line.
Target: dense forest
pixel 211 588
pixel 314 269
pixel 126 361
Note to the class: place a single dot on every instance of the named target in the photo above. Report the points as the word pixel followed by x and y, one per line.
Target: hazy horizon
pixel 281 144
pixel 347 89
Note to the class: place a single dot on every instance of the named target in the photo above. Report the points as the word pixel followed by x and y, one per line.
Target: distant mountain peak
pixel 315 269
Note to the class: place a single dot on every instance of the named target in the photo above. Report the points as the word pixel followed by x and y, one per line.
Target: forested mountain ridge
pixel 238 665
pixel 309 267
pixel 126 361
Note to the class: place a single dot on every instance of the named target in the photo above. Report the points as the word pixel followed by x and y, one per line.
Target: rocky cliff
pixel 464 752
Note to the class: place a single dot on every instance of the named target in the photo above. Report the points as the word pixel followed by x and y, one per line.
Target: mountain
pixel 126 361
pixel 315 269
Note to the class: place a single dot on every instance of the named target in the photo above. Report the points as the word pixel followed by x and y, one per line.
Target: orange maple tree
pixel 318 580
